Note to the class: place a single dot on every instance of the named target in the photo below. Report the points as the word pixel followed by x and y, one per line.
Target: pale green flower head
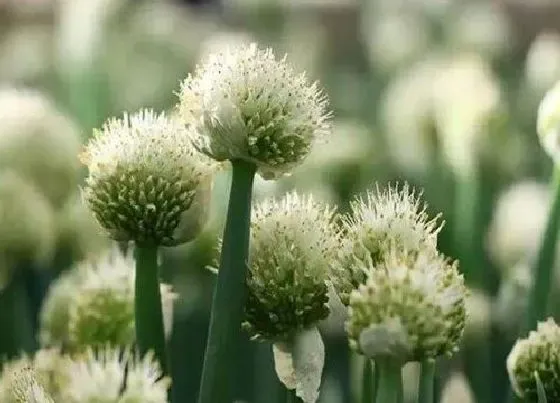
pixel 93 304
pixel 145 179
pixel 245 104
pixel 39 142
pixel 394 218
pixel 27 218
pixel 538 353
pixel 293 243
pixel 411 308
pixel 113 376
pixel 548 122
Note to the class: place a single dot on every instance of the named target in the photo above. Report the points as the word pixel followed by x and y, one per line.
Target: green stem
pixel 220 361
pixel 542 272
pixel 367 381
pixel 15 316
pixel 465 225
pixel 426 382
pixel 147 305
pixel 389 381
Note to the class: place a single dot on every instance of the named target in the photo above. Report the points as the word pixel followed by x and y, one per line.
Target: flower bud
pixel 93 304
pixel 144 177
pixel 380 222
pixel 538 353
pixel 411 308
pixel 245 104
pixel 293 243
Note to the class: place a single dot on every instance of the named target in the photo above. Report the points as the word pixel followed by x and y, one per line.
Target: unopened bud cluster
pixel 537 354
pixel 293 243
pixel 93 304
pixel 246 104
pixel 411 308
pixel 144 177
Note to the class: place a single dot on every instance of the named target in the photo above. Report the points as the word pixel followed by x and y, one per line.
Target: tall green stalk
pixel 15 315
pixel 465 224
pixel 389 381
pixel 426 382
pixel 150 333
pixel 544 264
pixel 368 394
pixel 220 361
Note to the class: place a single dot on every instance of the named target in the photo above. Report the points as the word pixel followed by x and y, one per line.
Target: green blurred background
pixel 440 93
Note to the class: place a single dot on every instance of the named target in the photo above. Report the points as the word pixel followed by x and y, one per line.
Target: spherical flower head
pixel 39 143
pixel 538 353
pixel 28 218
pixel 293 242
pixel 548 122
pixel 93 304
pixel 144 178
pixel 409 309
pixel 518 223
pixel 377 224
pixel 246 104
pixel 110 375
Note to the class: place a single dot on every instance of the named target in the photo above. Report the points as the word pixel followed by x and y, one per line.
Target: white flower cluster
pixel 405 300
pixel 93 304
pixel 246 104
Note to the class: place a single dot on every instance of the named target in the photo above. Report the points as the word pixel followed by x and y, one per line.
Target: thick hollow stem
pixel 542 272
pixel 220 361
pixel 389 381
pixel 150 333
pixel 367 382
pixel 426 382
pixel 15 315
pixel 465 225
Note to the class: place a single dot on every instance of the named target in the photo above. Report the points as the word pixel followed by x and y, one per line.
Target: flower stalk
pixel 388 388
pixel 368 393
pixel 540 291
pixel 426 382
pixel 229 295
pixel 150 334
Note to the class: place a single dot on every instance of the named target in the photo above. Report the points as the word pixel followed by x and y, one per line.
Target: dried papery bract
pixel 250 108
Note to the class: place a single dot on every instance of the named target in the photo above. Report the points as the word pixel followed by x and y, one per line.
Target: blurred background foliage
pixel 440 93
